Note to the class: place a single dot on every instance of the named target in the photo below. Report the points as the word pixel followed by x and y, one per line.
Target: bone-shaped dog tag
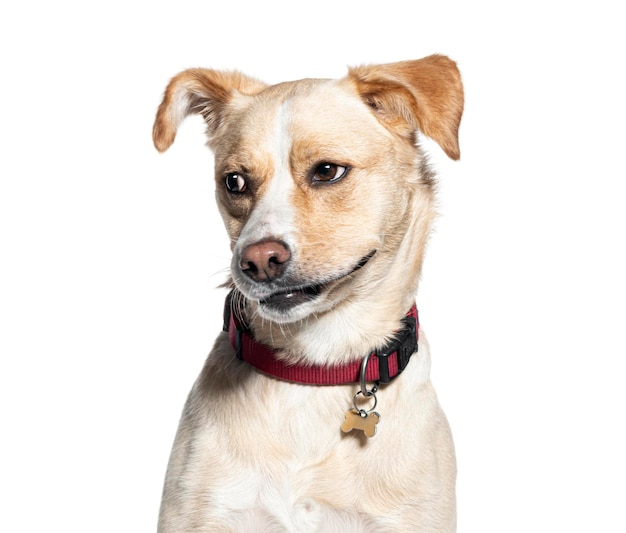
pixel 359 419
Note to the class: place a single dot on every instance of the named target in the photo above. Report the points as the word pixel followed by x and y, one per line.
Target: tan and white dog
pixel 328 202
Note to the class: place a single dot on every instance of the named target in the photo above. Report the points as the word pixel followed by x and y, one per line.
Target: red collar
pixel 388 363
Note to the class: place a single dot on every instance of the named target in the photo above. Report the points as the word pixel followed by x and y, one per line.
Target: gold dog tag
pixel 362 420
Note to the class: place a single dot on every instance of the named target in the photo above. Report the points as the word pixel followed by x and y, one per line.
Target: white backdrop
pixel 110 252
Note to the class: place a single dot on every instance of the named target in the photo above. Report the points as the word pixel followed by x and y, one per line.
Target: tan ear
pixel 425 95
pixel 201 91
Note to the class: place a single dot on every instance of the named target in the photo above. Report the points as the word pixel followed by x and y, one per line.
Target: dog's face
pixel 320 184
pixel 310 188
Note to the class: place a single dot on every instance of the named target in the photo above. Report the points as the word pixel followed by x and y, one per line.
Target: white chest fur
pixel 266 455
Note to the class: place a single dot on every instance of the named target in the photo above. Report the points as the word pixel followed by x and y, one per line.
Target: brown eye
pixel 235 182
pixel 329 172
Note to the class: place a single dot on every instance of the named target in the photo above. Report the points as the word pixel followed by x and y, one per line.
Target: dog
pixel 314 410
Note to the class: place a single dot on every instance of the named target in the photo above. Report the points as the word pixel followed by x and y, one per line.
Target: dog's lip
pixel 292 296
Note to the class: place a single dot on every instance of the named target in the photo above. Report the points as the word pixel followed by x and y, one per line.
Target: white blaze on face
pixel 274 214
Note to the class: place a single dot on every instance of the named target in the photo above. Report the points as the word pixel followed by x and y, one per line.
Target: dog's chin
pixel 297 302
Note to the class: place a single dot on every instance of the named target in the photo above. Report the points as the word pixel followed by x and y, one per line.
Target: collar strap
pixel 387 364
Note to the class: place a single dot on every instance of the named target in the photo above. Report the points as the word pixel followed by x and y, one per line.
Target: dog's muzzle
pixel 265 275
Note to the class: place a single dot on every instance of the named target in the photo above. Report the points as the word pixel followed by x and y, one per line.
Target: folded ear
pixel 425 95
pixel 201 91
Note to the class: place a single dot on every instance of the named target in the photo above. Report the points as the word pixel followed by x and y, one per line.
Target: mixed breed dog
pixel 314 410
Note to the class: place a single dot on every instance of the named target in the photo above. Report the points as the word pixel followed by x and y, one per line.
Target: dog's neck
pixel 340 336
pixel 381 365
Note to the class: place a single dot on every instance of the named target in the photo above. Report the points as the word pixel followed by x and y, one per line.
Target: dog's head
pixel 323 190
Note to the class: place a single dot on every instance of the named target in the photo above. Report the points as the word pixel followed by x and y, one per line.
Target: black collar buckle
pixel 404 345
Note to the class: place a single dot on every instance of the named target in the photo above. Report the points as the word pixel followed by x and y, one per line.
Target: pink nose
pixel 265 260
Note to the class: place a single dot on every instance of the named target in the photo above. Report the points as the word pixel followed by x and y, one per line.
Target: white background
pixel 110 252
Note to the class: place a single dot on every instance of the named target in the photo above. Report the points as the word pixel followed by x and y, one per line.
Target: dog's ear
pixel 200 91
pixel 425 95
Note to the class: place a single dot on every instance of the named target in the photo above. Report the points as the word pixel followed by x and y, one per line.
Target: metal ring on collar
pixel 364 364
pixel 364 412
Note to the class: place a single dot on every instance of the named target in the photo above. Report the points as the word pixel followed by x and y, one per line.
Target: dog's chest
pixel 294 490
pixel 282 458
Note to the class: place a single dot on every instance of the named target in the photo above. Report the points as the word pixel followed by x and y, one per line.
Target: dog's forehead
pixel 313 103
pixel 313 113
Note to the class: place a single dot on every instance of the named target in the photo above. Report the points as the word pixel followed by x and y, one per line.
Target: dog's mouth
pixel 286 299
pixel 283 300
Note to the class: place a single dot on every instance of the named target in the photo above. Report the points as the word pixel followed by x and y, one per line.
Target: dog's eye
pixel 235 182
pixel 329 172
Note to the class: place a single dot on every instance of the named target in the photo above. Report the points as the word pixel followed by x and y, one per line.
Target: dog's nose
pixel 265 260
